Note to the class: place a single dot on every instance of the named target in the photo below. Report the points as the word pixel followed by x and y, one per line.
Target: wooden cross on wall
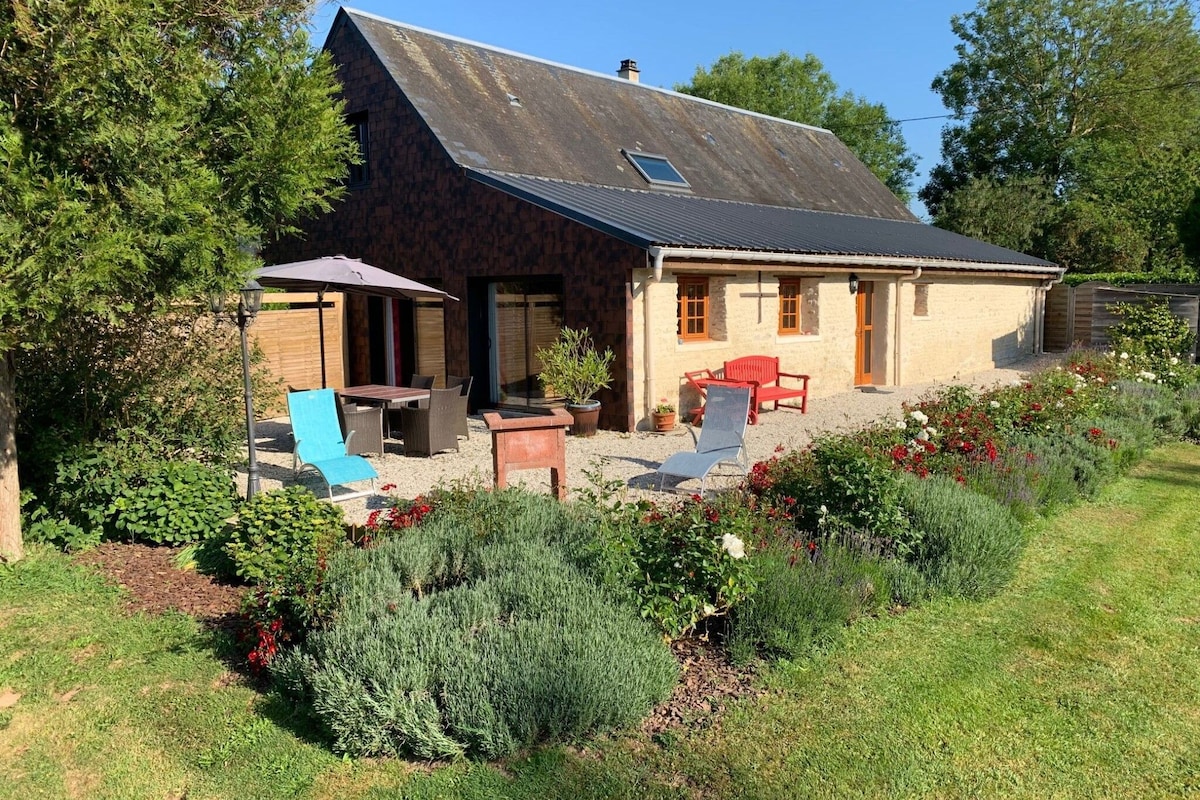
pixel 759 295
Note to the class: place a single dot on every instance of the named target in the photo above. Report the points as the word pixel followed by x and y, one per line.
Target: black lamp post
pixel 249 302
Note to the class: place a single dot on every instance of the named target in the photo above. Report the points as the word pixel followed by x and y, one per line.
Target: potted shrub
pixel 663 415
pixel 575 369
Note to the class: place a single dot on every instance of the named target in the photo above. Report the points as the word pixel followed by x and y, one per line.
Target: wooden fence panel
pixel 287 331
pixel 1079 315
pixel 1056 328
pixel 1081 325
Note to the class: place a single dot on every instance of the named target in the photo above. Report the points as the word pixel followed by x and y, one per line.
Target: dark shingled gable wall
pixel 422 217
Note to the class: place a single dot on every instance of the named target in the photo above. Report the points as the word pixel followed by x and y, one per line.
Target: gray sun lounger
pixel 722 439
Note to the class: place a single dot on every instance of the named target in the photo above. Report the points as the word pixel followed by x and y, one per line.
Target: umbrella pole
pixel 321 331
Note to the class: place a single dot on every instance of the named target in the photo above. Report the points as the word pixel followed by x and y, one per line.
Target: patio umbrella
pixel 341 274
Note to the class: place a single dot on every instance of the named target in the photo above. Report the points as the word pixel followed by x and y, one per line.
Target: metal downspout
pixel 658 254
pixel 896 318
pixel 1040 329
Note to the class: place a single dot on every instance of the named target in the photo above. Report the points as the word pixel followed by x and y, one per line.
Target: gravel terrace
pixel 628 457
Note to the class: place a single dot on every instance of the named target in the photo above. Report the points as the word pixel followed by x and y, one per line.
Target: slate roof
pixel 646 219
pixel 571 124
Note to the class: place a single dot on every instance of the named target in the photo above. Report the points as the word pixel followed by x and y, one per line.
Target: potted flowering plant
pixel 577 370
pixel 664 415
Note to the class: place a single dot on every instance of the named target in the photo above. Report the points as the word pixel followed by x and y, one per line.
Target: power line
pixel 977 111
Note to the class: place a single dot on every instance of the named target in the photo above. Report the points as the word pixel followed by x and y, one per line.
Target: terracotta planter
pixel 587 418
pixel 664 421
pixel 529 441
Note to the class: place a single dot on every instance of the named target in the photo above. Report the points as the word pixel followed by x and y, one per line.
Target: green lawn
pixel 1080 680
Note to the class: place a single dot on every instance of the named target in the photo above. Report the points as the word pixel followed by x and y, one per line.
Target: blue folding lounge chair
pixel 722 439
pixel 319 442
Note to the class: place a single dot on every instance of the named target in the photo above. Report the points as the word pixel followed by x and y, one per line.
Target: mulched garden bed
pixel 707 681
pixel 155 585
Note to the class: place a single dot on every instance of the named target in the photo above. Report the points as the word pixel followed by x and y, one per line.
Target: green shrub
pixel 908 585
pixel 1086 452
pixel 129 490
pixel 283 534
pixel 803 599
pixel 1158 405
pixel 40 526
pixel 281 544
pixel 1189 409
pixel 507 644
pixel 969 544
pixel 836 482
pixel 1022 481
pixel 685 561
pixel 460 520
pixel 170 379
pixel 1152 342
pixel 179 502
pixel 1128 438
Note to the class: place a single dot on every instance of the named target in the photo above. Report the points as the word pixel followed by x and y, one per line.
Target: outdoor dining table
pixel 382 394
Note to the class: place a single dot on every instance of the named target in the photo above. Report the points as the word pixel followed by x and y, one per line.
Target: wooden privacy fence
pixel 1080 315
pixel 287 331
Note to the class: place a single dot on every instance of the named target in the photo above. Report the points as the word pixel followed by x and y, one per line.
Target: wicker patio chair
pixel 465 385
pixel 395 423
pixel 362 427
pixel 434 427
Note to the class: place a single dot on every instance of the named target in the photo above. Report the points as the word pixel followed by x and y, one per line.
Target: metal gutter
pixel 849 261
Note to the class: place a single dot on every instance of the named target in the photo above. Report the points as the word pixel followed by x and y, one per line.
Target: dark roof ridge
pixel 460 40
pixel 687 194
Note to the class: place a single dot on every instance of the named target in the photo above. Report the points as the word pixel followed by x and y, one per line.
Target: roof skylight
pixel 656 169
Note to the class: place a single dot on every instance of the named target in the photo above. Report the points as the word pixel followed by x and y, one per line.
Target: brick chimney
pixel 629 70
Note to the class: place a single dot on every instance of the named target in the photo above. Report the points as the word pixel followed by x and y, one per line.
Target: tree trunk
pixel 10 487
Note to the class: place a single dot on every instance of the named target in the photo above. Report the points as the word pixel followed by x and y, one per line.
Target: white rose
pixel 994 404
pixel 733 545
pixel 901 425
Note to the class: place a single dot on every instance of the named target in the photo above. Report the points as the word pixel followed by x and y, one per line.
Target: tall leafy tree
pixel 799 89
pixel 1099 100
pixel 141 142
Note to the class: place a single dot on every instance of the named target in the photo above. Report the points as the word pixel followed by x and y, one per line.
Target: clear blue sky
pixel 887 51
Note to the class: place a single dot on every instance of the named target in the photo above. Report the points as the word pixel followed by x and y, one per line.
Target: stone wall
pixel 973 324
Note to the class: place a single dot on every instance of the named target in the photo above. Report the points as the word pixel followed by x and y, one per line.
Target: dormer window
pixel 657 170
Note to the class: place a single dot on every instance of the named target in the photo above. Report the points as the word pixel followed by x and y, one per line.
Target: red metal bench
pixel 762 372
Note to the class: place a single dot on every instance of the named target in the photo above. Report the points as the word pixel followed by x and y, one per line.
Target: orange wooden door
pixel 864 335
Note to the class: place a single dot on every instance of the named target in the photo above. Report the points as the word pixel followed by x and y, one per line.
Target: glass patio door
pixel 524 316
